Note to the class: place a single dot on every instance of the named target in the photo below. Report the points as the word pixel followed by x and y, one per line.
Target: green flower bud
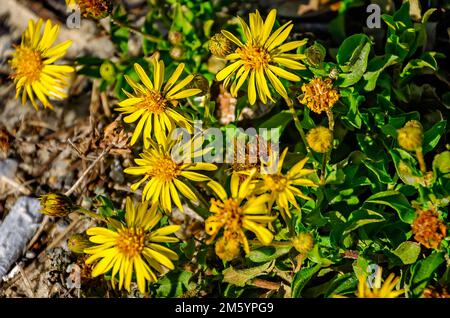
pixel 77 243
pixel 108 71
pixel 175 37
pixel 220 46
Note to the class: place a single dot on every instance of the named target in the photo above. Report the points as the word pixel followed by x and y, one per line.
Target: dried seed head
pixel 303 242
pixel 428 229
pixel 410 137
pixel 320 139
pixel 220 46
pixel 227 248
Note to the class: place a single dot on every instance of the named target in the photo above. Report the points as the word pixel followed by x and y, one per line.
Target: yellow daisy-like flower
pixel 154 105
pixel 33 68
pixel 235 214
pixel 283 187
pixel 261 56
pixel 319 95
pixel 165 173
pixel 132 247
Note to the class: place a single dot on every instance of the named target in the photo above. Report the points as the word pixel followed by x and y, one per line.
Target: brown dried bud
pixel 428 229
pixel 96 9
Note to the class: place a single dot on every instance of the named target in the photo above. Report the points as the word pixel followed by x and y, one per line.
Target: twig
pixel 63 234
pixel 261 283
pixel 86 172
pixel 27 281
pixel 15 184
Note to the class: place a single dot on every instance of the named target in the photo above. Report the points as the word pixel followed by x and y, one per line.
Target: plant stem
pixel 136 30
pixel 324 167
pixel 421 160
pixel 90 214
pixel 297 122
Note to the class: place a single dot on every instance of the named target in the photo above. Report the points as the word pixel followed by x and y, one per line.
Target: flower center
pixel 154 102
pixel 275 182
pixel 254 57
pixel 27 63
pixel 165 169
pixel 131 241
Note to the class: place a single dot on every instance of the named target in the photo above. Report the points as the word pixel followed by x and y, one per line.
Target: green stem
pixel 136 30
pixel 324 167
pixel 90 214
pixel 297 122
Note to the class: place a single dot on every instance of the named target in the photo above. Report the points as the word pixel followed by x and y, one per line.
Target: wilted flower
pixel 96 9
pixel 428 229
pixel 319 95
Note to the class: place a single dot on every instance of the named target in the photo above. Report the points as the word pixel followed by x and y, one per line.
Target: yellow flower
pixel 235 214
pixel 320 139
pixel 379 290
pixel 385 290
pixel 71 3
pixel 319 95
pixel 261 56
pixel 33 70
pixel 96 9
pixel 153 104
pixel 132 247
pixel 165 174
pixel 283 187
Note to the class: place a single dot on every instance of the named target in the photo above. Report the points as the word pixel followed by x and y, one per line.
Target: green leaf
pixel 408 252
pixel 301 278
pixel 396 201
pixel 374 69
pixel 360 218
pixel 174 284
pixel 357 68
pixel 378 167
pixel 267 253
pixel 342 284
pixel 240 277
pixel 432 136
pixel 422 272
pixel 280 120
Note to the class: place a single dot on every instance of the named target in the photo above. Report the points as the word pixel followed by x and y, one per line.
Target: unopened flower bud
pixel 77 243
pixel 303 242
pixel 410 137
pixel 177 53
pixel 200 82
pixel 175 37
pixel 320 139
pixel 108 71
pixel 56 204
pixel 96 9
pixel 315 54
pixel 221 46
